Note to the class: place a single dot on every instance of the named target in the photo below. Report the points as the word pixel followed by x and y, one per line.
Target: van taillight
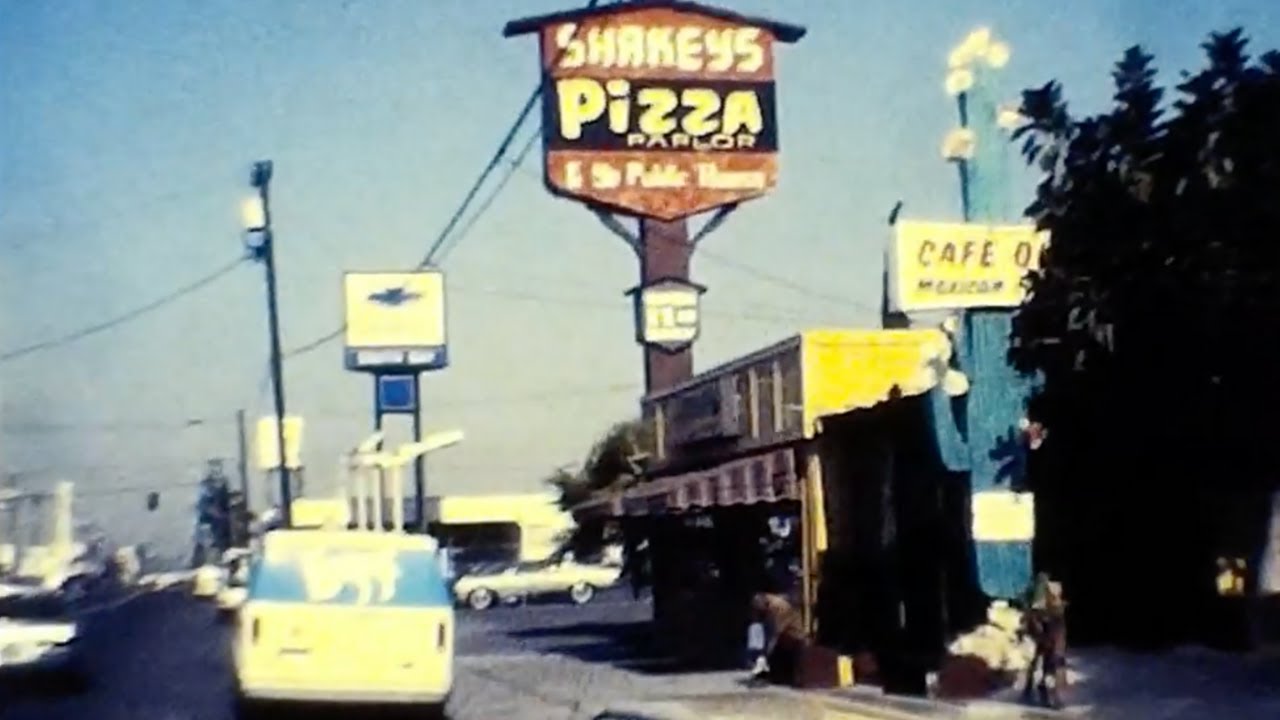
pixel 440 637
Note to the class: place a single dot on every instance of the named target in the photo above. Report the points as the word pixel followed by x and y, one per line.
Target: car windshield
pixel 33 607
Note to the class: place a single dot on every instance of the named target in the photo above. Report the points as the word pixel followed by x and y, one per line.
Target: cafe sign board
pixel 658 109
pixel 952 266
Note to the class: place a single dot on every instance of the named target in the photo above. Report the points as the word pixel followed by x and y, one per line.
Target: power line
pixel 438 244
pixel 530 296
pixel 158 303
pixel 489 200
pixel 503 146
pixel 227 418
pixel 317 343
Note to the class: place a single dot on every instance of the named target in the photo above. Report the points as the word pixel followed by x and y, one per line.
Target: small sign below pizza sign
pixel 659 109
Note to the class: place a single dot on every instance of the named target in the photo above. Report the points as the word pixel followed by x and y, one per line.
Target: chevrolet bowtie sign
pixel 667 313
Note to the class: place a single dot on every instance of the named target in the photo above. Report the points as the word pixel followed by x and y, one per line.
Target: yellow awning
pixel 846 370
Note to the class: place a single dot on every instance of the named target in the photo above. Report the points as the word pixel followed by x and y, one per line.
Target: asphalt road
pixel 164 656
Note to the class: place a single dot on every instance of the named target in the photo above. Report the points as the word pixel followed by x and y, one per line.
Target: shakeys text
pixel 688 48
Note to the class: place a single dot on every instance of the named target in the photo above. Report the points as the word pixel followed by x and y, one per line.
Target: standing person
pixel 785 638
pixel 1046 624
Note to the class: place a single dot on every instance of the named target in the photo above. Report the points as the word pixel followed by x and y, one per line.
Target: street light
pixel 259 241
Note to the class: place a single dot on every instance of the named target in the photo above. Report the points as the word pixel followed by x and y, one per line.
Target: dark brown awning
pixel 762 478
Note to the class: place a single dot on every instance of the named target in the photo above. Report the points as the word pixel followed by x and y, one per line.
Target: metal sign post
pixel 395 332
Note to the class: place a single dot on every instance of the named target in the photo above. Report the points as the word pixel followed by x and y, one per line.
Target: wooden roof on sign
pixel 784 32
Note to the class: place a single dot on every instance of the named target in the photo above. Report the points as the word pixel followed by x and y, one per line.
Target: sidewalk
pixel 1185 684
pixel 908 708
pixel 1182 684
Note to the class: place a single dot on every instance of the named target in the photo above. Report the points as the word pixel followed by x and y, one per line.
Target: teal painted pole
pixel 997 396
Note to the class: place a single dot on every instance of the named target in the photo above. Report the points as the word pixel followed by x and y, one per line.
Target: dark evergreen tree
pixel 1154 326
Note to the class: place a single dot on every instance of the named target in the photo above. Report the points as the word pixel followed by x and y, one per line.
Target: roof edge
pixel 782 31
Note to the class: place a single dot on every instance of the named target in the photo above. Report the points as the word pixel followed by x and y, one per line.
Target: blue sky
pixel 126 130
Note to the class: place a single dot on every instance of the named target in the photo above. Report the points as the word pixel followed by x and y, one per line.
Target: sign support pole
pixel 665 251
pixel 419 464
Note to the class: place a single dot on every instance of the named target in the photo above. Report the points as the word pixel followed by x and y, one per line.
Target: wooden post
pixel 664 251
pixel 813 536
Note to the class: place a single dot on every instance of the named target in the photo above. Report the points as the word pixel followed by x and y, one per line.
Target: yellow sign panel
pixel 1003 516
pixel 846 370
pixel 268 443
pixel 944 266
pixel 395 320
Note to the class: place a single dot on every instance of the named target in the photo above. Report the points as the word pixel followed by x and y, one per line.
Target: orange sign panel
pixel 659 110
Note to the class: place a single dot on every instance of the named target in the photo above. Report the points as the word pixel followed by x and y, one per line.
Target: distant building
pixel 498 528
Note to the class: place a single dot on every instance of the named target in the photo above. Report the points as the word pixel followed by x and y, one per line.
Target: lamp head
pixel 261 173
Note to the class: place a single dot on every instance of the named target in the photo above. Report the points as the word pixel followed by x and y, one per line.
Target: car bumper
pixel 330 695
pixel 53 660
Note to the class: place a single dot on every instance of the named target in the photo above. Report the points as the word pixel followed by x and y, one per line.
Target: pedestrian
pixel 756 650
pixel 1045 623
pixel 785 637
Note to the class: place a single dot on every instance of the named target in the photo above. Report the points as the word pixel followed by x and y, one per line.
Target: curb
pixel 904 707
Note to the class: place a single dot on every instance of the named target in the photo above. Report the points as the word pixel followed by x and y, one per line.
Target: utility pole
pixel 264 251
pixel 420 464
pixel 242 457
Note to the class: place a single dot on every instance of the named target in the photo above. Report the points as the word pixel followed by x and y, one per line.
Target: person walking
pixel 1045 622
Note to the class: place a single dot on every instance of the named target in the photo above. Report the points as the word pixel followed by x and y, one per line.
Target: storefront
pixel 804 429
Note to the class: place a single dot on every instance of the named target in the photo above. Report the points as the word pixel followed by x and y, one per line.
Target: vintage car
pixel 38 637
pixel 480 590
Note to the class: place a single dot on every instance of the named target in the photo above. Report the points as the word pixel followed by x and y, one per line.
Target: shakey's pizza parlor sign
pixel 659 109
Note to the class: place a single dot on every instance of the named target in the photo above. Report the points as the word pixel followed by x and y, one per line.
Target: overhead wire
pixel 127 317
pixel 501 152
pixel 442 237
pixel 491 197
pixel 441 246
pixel 228 418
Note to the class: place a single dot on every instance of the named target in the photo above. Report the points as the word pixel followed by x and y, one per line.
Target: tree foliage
pixel 1153 322
pixel 616 461
pixel 1161 278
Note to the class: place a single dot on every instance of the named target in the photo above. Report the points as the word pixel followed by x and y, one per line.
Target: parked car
pixel 480 590
pixel 38 636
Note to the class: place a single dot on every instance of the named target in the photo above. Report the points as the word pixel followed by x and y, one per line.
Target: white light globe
pixel 958 145
pixel 959 81
pixel 955 383
pixel 998 55
pixel 253 216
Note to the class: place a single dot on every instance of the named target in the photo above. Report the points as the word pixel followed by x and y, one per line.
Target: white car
pixel 38 636
pixel 517 582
